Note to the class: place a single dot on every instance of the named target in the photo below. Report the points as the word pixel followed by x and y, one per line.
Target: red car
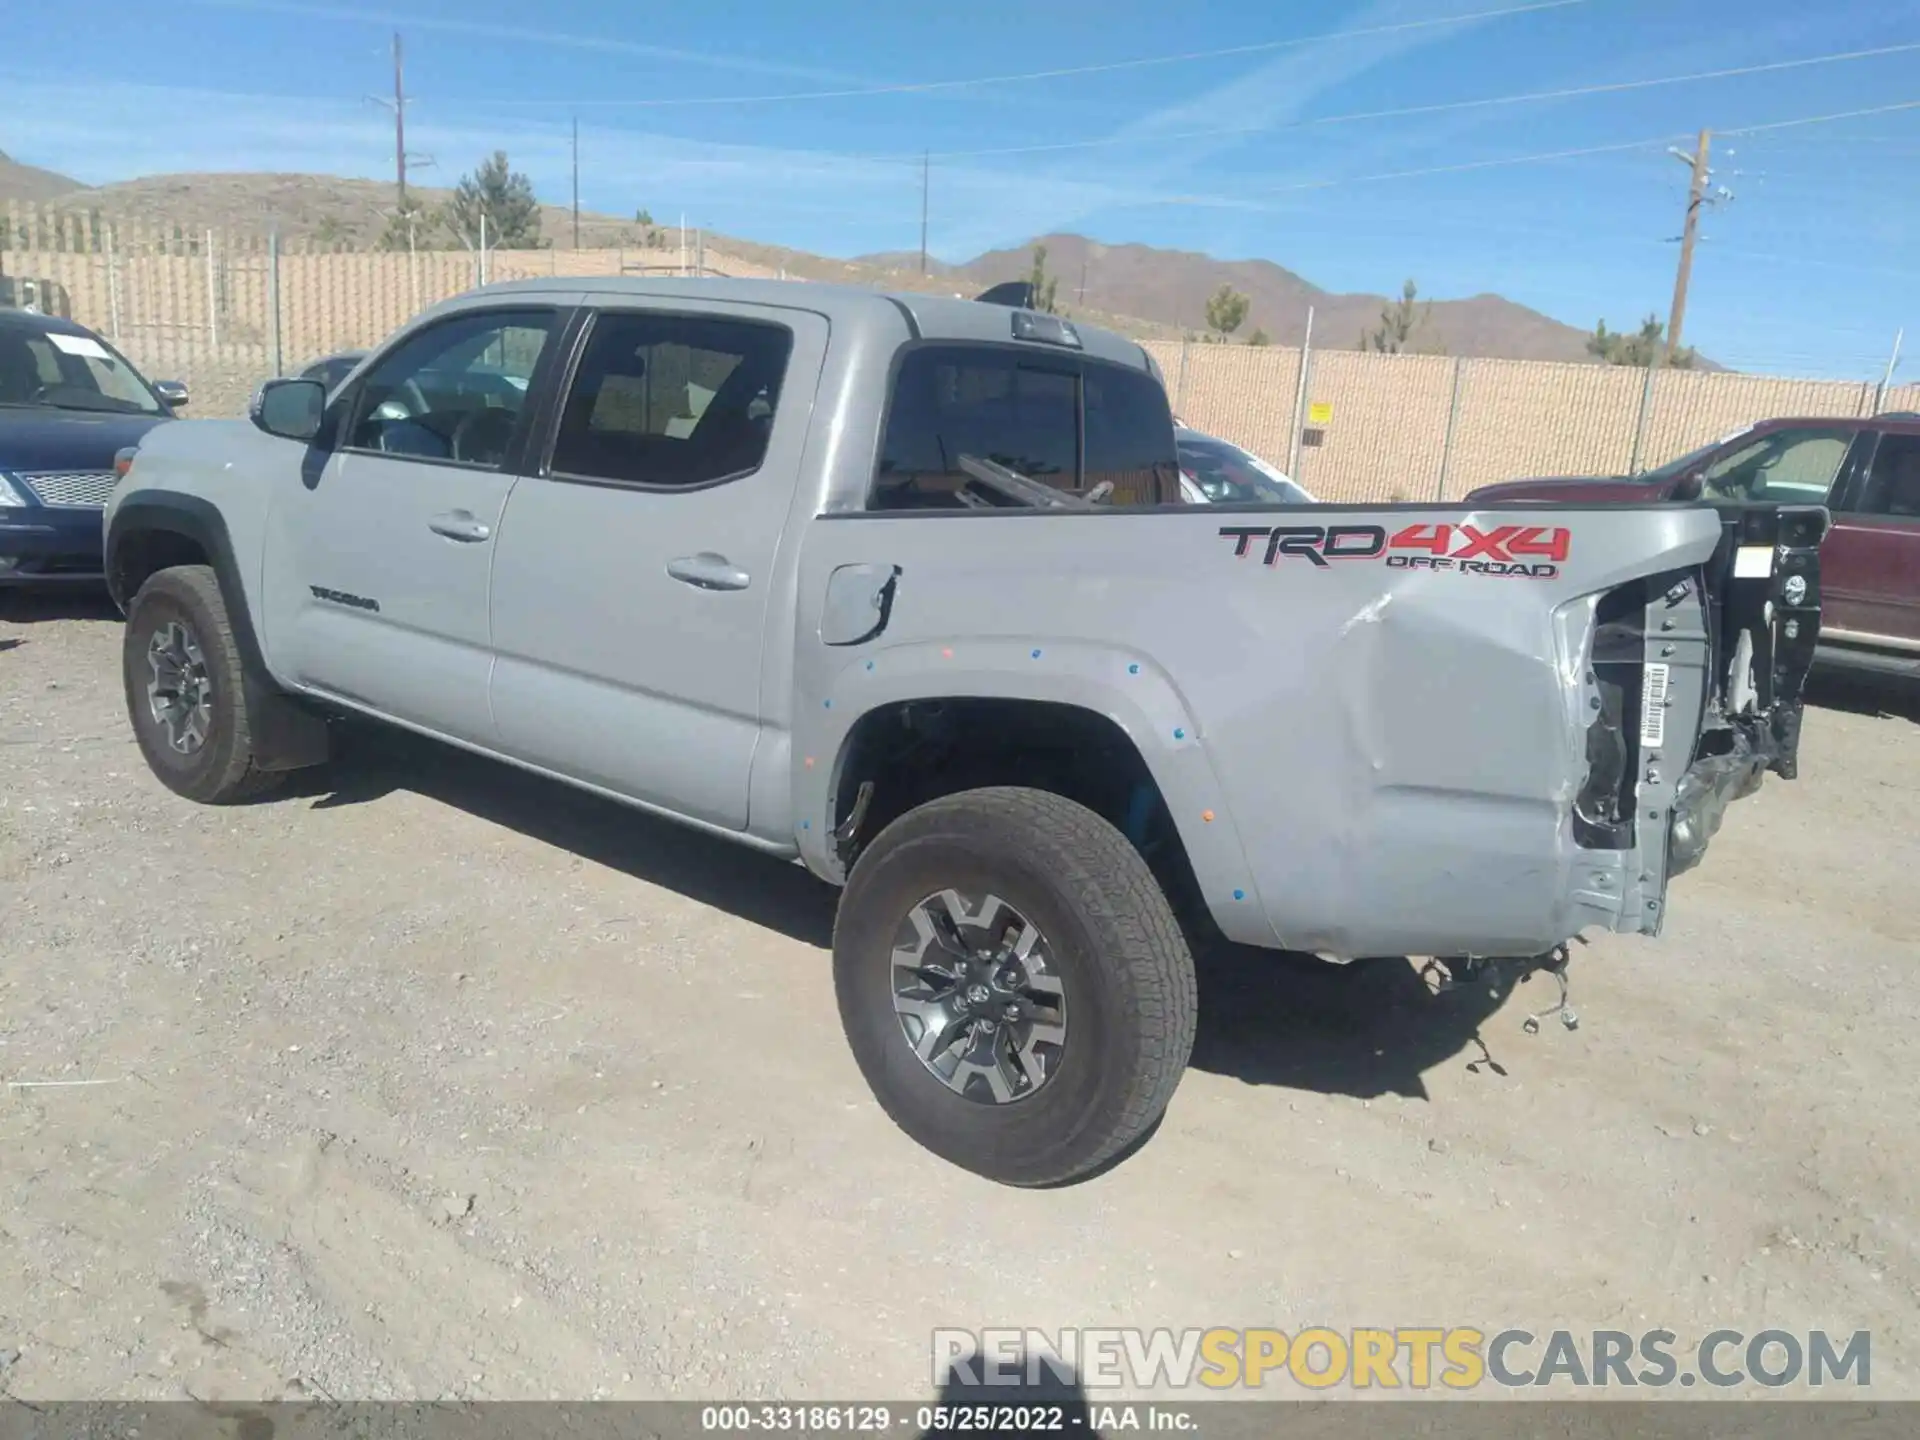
pixel 1866 471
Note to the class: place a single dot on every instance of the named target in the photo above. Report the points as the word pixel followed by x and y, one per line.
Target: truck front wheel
pixel 1013 984
pixel 185 691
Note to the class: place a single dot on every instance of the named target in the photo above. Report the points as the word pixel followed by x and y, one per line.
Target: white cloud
pixel 525 35
pixel 1269 96
pixel 814 199
pixel 818 200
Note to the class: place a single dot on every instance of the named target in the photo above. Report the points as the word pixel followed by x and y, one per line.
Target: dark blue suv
pixel 68 403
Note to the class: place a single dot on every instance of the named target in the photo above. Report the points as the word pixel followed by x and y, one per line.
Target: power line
pixel 1536 158
pixel 1443 107
pixel 1898 105
pixel 1465 165
pixel 921 87
pixel 1851 267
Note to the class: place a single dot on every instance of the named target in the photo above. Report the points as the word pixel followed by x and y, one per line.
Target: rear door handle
pixel 459 525
pixel 708 571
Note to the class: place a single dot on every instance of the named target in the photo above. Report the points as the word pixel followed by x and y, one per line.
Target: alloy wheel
pixel 180 692
pixel 978 997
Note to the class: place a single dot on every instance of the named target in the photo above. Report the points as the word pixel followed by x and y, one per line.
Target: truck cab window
pixel 672 400
pixel 952 403
pixel 1130 443
pixel 453 391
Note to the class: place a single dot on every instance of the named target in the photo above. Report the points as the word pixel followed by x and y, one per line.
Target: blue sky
pixel 736 115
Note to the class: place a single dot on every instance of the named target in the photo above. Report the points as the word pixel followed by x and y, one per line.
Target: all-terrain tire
pixel 1126 974
pixel 220 770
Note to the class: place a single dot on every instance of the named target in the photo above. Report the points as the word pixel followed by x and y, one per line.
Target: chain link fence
pixel 224 310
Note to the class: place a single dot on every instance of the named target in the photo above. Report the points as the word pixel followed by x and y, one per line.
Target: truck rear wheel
pixel 185 689
pixel 1013 984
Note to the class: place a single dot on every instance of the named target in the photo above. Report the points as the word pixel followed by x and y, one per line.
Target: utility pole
pixel 1696 197
pixel 926 160
pixel 1893 363
pixel 576 182
pixel 1080 295
pixel 398 104
pixel 399 127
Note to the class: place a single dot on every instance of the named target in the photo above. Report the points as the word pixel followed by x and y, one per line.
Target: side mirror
pixel 173 392
pixel 291 409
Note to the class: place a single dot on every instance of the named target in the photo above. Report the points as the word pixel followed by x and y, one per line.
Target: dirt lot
pixel 428 1079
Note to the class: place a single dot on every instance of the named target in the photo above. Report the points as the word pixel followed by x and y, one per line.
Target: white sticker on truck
pixel 1753 562
pixel 1653 707
pixel 82 345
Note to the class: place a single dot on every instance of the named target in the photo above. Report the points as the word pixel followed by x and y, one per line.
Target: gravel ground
pixel 427 1079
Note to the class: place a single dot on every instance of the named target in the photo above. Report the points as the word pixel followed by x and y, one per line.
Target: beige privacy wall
pixel 201 307
pixel 1421 427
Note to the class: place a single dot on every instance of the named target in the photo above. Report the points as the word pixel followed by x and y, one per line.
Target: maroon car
pixel 1866 471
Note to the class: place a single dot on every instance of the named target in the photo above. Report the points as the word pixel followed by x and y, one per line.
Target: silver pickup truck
pixel 901 588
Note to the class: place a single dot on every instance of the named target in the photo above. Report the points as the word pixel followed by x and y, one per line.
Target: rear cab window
pixel 1099 432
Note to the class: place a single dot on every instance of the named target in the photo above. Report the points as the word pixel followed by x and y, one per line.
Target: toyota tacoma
pixel 901 588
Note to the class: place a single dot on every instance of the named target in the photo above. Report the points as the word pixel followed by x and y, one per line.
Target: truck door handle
pixel 459 525
pixel 708 571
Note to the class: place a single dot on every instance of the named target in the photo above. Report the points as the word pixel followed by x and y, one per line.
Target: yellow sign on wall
pixel 1320 412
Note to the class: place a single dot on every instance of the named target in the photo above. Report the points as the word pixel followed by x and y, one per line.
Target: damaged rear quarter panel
pixel 1390 753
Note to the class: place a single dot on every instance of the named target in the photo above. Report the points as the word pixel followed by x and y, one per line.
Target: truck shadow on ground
pixel 38 607
pixel 1369 1028
pixel 1267 1017
pixel 370 763
pixel 1884 697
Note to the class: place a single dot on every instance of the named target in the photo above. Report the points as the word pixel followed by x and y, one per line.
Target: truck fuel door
pixel 859 603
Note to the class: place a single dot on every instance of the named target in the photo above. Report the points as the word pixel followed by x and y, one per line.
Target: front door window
pixel 453 392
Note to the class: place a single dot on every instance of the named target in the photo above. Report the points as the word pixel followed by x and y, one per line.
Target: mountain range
pixel 1147 291
pixel 1171 287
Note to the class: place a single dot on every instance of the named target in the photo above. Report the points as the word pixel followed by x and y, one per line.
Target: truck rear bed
pixel 1376 730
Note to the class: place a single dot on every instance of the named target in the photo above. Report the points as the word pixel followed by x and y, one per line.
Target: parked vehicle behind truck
pixel 1865 470
pixel 69 403
pixel 900 587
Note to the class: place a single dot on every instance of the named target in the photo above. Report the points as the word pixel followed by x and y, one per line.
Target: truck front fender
pixel 152 529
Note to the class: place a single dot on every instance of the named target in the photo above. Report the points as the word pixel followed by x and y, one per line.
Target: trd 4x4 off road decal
pixel 1528 551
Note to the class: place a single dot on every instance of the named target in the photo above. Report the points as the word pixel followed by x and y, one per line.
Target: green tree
pixel 331 231
pixel 1401 321
pixel 1258 337
pixel 1616 347
pixel 1226 311
pixel 1045 286
pixel 643 217
pixel 505 197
